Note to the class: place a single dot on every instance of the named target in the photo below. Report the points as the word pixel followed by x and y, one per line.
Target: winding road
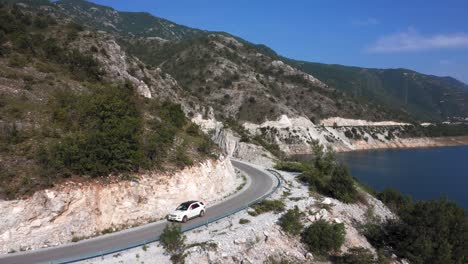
pixel 261 184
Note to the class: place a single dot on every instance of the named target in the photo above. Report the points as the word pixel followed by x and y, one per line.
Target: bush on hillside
pixel 322 238
pixel 394 200
pixel 341 185
pixel 290 222
pixel 291 166
pixel 338 184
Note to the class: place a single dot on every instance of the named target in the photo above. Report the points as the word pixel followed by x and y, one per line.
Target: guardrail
pixel 186 229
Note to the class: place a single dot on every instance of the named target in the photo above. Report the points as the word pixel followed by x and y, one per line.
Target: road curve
pixel 261 184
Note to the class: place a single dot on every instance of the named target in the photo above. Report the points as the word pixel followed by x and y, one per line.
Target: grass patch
pixel 244 221
pixel 276 206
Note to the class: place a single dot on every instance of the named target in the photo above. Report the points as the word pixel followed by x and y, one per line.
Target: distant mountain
pixel 136 23
pixel 426 97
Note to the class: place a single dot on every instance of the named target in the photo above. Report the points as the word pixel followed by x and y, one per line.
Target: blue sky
pixel 427 36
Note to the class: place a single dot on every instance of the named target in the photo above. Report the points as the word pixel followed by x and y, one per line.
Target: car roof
pixel 189 203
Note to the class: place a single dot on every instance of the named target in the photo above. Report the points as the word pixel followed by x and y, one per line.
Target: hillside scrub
pixel 35 38
pixel 60 118
pixel 106 132
pixel 426 232
pixel 437 130
pixel 104 129
pixel 325 175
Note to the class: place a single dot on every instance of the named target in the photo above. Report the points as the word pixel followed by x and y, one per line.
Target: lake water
pixel 427 173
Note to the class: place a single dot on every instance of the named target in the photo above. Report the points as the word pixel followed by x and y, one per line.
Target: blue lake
pixel 428 173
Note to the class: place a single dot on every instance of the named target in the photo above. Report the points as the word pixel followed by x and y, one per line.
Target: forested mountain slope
pixel 425 97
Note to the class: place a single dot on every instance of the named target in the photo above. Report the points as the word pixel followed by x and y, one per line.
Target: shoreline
pixel 414 143
pixel 408 143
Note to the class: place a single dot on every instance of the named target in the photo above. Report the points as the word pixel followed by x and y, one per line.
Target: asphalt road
pixel 260 184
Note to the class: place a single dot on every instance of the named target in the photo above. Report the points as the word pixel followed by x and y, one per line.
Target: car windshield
pixel 183 207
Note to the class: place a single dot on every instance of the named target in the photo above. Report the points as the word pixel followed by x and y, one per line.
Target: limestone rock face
pixel 55 216
pixel 231 144
pixel 117 65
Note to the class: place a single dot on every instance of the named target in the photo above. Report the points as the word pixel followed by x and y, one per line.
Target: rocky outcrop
pixel 116 64
pixel 232 145
pixel 55 216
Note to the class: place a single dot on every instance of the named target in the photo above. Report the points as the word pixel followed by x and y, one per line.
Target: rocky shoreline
pixel 409 143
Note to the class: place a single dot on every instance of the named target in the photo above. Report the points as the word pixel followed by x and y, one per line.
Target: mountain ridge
pixel 427 98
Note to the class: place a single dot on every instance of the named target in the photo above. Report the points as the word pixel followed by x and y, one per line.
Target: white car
pixel 186 211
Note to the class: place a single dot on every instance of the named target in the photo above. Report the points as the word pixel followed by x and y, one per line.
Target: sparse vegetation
pixel 173 242
pixel 357 255
pixel 276 206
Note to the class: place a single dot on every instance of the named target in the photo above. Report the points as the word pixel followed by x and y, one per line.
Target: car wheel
pixel 184 220
pixel 202 213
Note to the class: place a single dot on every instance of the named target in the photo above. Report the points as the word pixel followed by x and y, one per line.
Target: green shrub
pixel 83 67
pixel 325 175
pixel 172 238
pixel 276 206
pixel 173 241
pixel 395 200
pixel 157 142
pixel 290 222
pixel 341 185
pixel 291 166
pixel 11 134
pixel 273 148
pixel 206 146
pixel 193 129
pixel 322 237
pixel 17 61
pixel 243 221
pixel 357 255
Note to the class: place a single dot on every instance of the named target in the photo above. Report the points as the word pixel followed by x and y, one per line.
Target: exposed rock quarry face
pixel 231 145
pixel 295 135
pixel 338 121
pixel 55 216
